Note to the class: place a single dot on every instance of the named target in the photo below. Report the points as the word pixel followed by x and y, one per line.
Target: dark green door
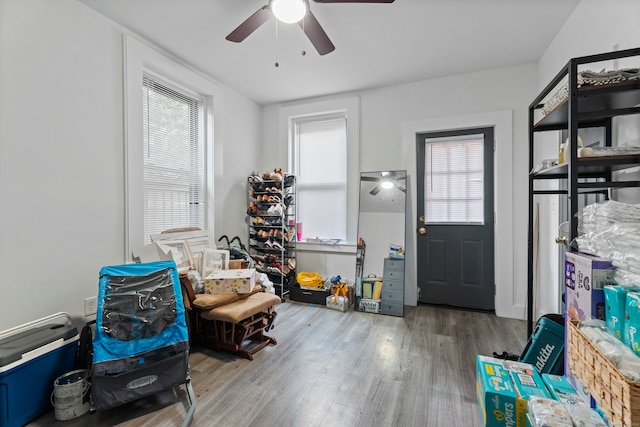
pixel 455 230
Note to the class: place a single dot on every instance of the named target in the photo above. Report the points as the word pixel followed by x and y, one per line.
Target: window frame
pixel 296 122
pixel 139 59
pixel 350 107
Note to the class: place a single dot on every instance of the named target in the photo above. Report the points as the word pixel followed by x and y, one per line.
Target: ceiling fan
pixel 387 181
pixel 292 11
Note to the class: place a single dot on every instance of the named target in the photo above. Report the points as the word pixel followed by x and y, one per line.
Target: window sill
pixel 341 248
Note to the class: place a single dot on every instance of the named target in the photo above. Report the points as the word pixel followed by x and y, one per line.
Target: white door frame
pixel 502 121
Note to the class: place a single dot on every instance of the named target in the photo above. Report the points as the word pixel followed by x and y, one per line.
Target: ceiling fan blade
pixel 354 1
pixel 250 25
pixel 316 34
pixel 375 190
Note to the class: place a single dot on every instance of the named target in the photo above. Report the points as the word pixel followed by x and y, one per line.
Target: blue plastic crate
pixel 545 349
pixel 30 361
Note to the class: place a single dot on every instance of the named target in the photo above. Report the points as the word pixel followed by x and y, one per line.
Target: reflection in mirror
pixel 381 220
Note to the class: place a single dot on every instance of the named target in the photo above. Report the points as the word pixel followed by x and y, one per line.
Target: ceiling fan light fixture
pixel 386 185
pixel 289 11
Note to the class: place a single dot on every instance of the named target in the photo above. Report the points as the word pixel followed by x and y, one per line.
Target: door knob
pixel 421 219
pixel 422 230
pixel 561 240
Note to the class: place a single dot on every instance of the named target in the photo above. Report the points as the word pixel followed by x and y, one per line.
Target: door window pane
pixel 453 180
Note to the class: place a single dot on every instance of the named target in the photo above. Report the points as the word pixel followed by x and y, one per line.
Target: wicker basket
pixel 618 396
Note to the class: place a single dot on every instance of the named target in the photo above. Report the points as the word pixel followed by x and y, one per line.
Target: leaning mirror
pixel 381 230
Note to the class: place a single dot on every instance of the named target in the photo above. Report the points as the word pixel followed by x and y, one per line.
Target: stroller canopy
pixel 140 316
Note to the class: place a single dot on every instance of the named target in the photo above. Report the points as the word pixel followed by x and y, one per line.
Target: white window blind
pixel 453 182
pixel 321 154
pixel 173 128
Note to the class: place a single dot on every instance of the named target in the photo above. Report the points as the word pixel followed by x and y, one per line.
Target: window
pixel 173 143
pixel 321 168
pixel 454 186
pixel 323 146
pixel 169 145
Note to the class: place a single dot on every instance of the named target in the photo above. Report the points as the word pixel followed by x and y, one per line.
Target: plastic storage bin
pixel 545 349
pixel 32 356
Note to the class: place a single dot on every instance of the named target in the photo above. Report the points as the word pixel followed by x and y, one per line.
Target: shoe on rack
pixel 254 177
pixel 276 175
pixel 288 180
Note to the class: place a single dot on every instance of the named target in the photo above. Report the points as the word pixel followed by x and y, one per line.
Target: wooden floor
pixel 335 369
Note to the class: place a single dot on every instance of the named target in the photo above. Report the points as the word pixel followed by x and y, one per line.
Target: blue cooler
pixel 545 349
pixel 32 356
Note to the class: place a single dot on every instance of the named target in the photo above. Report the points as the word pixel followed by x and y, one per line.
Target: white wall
pixel 592 28
pixel 61 157
pixel 385 112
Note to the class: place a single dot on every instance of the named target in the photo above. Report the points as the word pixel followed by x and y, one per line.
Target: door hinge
pixel 495 292
pixel 494 145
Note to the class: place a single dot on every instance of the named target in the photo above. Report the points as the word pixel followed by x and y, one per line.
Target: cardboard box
pixel 495 392
pixel 337 302
pixel 503 388
pixel 631 334
pixel 585 279
pixel 615 298
pixel 561 390
pixel 526 383
pixel 239 281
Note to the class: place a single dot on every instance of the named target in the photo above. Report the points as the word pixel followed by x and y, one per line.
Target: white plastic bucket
pixel 71 397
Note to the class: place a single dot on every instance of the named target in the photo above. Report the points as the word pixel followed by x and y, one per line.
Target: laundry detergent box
pixel 240 281
pixel 496 395
pixel 615 298
pixel 526 383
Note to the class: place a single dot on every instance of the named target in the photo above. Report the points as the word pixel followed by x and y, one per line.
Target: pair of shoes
pixel 273 199
pixel 274 222
pixel 276 175
pixel 271 257
pixel 253 209
pixel 263 234
pixel 291 263
pixel 275 244
pixel 257 220
pixel 254 177
pixel 273 190
pixel 275 210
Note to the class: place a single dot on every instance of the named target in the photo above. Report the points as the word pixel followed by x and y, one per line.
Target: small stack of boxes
pixel 504 389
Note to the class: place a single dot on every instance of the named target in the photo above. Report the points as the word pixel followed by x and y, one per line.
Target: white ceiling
pixel 376 44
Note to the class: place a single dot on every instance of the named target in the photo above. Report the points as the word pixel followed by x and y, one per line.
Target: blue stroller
pixel 141 342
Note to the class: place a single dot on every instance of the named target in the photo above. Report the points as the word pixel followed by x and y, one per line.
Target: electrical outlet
pixel 90 306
